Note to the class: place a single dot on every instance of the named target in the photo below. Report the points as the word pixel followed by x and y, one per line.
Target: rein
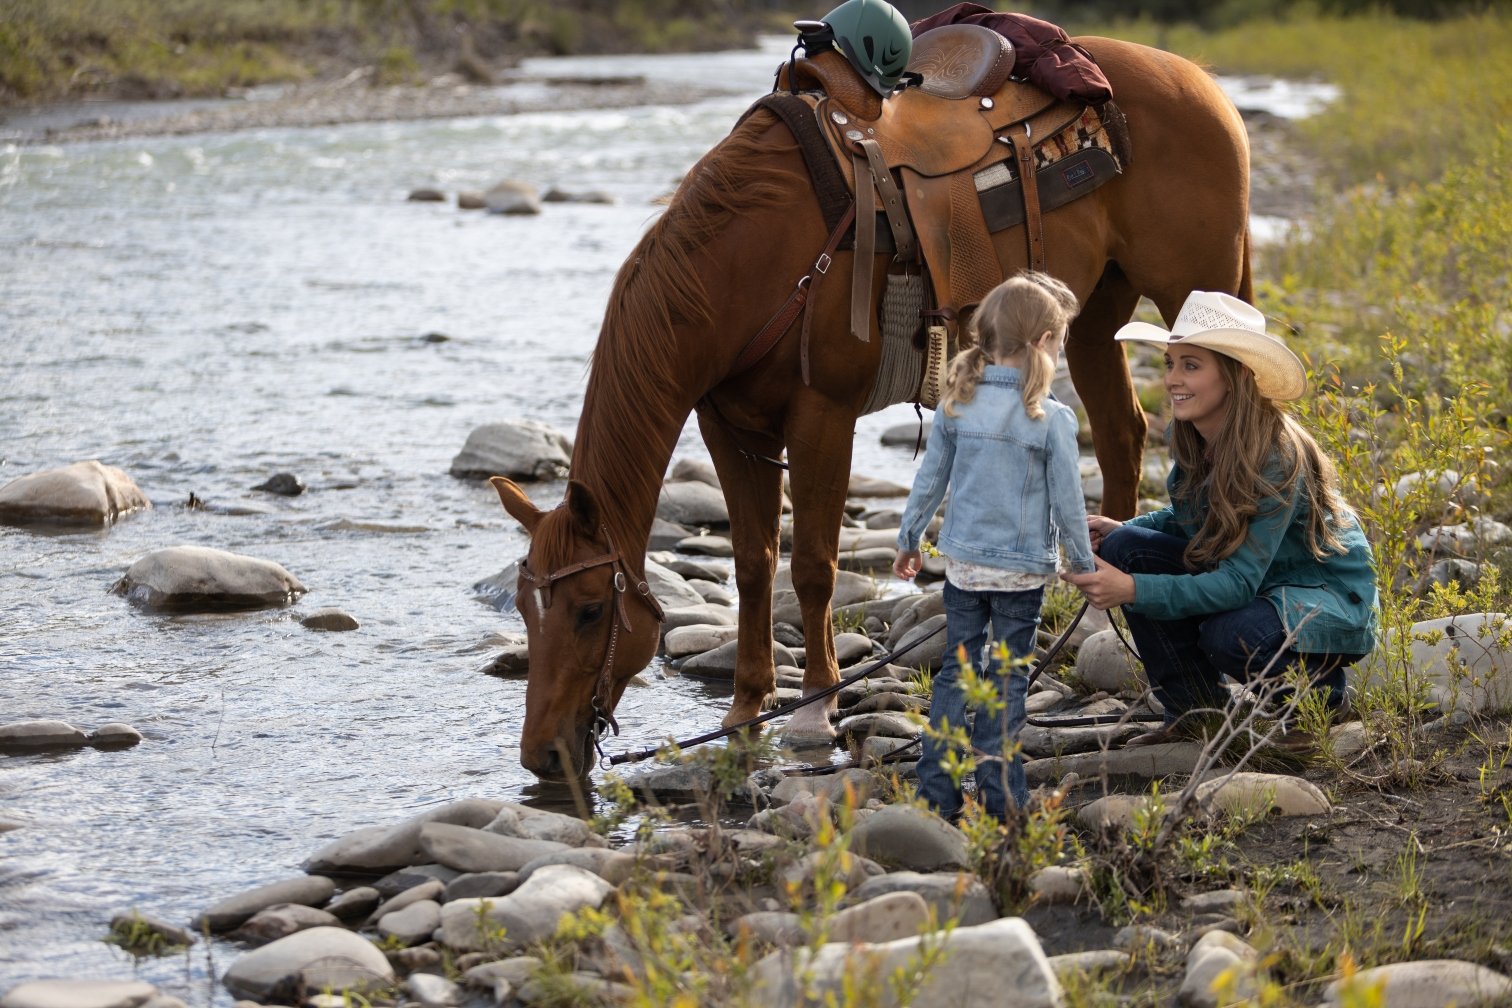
pixel 603 714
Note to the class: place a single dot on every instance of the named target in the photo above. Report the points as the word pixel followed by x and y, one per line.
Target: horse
pixel 742 227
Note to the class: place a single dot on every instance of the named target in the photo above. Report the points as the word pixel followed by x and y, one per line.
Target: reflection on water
pixel 206 311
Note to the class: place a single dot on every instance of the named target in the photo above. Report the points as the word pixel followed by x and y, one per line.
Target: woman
pixel 1257 565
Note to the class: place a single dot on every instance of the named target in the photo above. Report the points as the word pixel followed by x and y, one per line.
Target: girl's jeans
pixel 1013 617
pixel 1186 659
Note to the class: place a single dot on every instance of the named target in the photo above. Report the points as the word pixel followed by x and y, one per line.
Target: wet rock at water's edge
pixel 84 493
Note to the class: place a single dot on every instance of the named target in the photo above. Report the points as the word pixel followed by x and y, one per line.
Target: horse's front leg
pixel 820 435
pixel 753 494
pixel 1101 376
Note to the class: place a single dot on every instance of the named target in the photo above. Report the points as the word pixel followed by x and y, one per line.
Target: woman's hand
pixel 907 564
pixel 1105 587
pixel 1097 527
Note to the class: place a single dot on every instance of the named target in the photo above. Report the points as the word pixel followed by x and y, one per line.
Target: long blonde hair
pixel 1256 432
pixel 1010 318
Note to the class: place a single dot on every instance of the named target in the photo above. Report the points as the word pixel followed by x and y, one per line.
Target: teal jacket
pixel 1330 604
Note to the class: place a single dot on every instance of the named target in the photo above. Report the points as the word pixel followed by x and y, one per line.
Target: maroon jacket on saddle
pixel 1043 53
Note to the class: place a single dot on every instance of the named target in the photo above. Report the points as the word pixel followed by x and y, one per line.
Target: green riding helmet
pixel 876 40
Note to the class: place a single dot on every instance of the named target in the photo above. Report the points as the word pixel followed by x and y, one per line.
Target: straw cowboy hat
pixel 1226 325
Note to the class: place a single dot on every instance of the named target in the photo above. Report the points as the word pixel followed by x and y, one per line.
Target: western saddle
pixel 932 171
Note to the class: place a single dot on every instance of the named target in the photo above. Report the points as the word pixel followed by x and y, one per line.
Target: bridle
pixel 603 713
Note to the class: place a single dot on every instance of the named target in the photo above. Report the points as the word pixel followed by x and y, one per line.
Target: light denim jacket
pixel 1329 604
pixel 1015 488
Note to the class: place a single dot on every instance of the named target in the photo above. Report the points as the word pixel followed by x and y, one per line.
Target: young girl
pixel 1006 449
pixel 1257 565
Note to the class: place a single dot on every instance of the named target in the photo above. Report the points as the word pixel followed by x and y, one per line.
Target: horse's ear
pixel 521 508
pixel 583 508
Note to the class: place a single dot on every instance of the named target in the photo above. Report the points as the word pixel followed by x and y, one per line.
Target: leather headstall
pixel 603 714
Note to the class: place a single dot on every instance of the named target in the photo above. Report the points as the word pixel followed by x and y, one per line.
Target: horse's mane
pixel 636 389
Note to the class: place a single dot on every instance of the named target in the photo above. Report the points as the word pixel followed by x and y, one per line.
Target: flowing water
pixel 205 311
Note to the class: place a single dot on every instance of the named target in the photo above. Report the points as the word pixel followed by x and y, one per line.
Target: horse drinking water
pixel 718 267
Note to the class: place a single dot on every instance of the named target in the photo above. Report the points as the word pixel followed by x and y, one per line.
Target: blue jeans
pixel 1186 659
pixel 1013 617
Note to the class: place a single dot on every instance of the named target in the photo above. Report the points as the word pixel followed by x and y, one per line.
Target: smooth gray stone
pixel 512 198
pixel 538 824
pixel 318 959
pixel 923 646
pixel 481 885
pixel 79 994
pixel 40 734
pixel 888 724
pixel 686 470
pixel 469 849
pixel 279 921
pixel 430 890
pixel 692 503
pixel 528 914
pixel 126 921
pixel 614 867
pixel 355 904
pixel 902 836
pixel 670 588
pixel 953 895
pixel 330 620
pixel 386 848
pixel 199 579
pixel 693 615
pixel 405 879
pixel 307 890
pixel 412 924
pixel 116 735
pixel 519 449
pixel 720 663
pixel 1430 983
pixel 433 991
pixel 84 493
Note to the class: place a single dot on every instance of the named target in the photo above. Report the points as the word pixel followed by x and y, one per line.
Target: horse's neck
pixel 624 442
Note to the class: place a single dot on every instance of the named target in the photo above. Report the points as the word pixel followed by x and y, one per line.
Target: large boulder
pixel 1461 662
pixel 85 493
pixel 202 579
pixel 519 449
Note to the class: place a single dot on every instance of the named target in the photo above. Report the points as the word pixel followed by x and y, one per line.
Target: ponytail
pixel 962 378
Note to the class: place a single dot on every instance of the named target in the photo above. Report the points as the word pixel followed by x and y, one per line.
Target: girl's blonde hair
pixel 1010 318
pixel 1238 470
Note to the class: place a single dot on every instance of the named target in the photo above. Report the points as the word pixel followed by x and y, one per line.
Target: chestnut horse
pixel 740 231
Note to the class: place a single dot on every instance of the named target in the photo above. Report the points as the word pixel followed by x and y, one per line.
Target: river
pixel 205 311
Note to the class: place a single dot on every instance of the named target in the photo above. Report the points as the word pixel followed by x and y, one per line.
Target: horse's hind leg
pixel 753 494
pixel 1100 373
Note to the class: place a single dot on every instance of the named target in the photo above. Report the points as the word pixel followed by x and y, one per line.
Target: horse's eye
pixel 589 614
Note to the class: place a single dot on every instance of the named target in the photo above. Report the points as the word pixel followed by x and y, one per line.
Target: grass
pixel 53 49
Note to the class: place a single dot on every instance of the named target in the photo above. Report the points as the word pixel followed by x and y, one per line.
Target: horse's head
pixel 587 634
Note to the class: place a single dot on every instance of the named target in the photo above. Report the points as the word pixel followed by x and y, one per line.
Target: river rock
pixel 673 781
pixel 869 486
pixel 832 787
pixel 280 920
pixel 513 198
pixel 306 890
pixel 330 620
pixel 397 883
pixel 1219 957
pixel 431 889
pixel 481 885
pixel 686 470
pixel 995 965
pixel 527 915
pixel 705 613
pixel 41 734
pixel 613 866
pixel 539 824
pixel 670 588
pixel 355 904
pixel 712 592
pixel 1103 663
pixel 923 646
pixel 84 493
pixel 910 612
pixel 692 503
pixel 411 925
pixel 1118 811
pixel 202 579
pixel 958 896
pixel 322 958
pixel 1059 884
pixel 555 195
pixel 376 849
pixel 130 923
pixel 720 663
pixel 907 435
pixel 471 199
pixel 903 836
pixel 706 545
pixel 470 849
pixel 284 484
pixel 426 196
pixel 116 735
pixel 688 640
pixel 79 994
pixel 1428 983
pixel 1254 795
pixel 519 449
pixel 432 991
pixel 1148 762
pixel 1465 660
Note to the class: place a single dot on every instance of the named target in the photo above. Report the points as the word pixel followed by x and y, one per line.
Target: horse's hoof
pixel 809 730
